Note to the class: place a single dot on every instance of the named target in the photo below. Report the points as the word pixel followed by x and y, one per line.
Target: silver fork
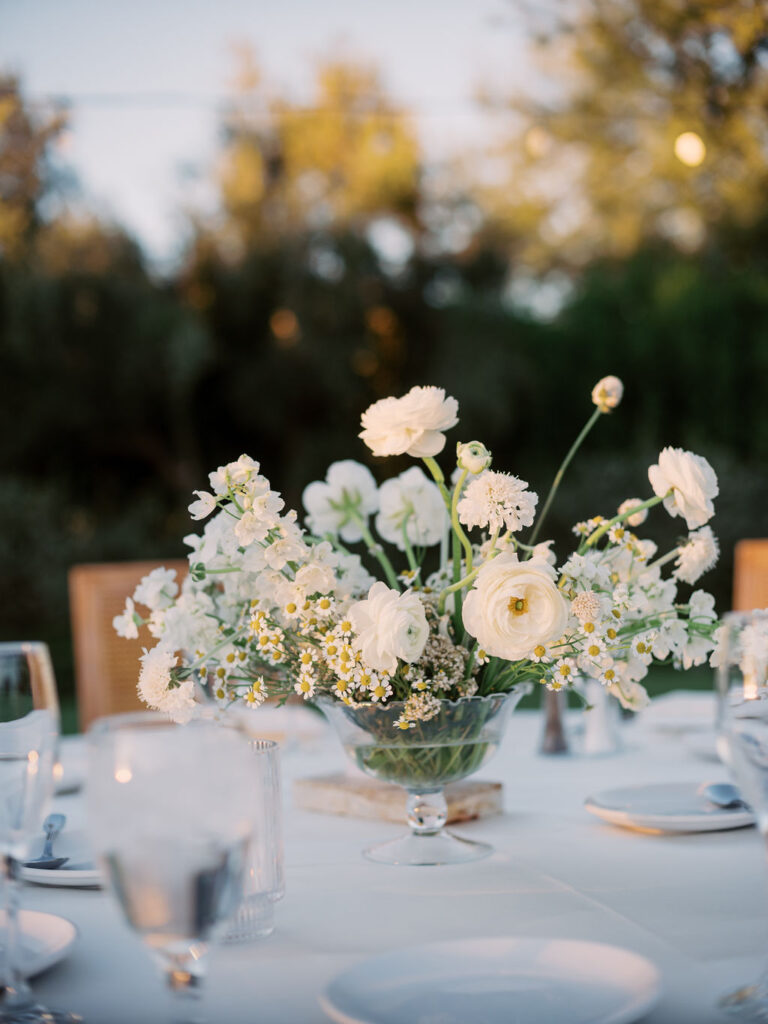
pixel 52 825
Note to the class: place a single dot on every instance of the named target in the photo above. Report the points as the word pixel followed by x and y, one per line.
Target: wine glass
pixel 172 811
pixel 741 657
pixel 29 732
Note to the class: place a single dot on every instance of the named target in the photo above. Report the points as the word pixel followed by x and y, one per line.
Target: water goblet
pixel 29 732
pixel 171 814
pixel 741 657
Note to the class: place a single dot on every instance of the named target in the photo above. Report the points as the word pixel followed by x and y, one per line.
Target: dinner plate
pixel 496 981
pixel 44 939
pixel 80 871
pixel 665 807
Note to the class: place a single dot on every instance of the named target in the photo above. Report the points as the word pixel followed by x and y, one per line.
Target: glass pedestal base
pixel 428 850
pixel 748 1004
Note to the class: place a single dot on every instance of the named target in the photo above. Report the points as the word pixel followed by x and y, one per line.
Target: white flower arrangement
pixel 270 608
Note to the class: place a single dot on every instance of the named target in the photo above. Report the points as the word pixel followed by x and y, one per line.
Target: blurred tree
pixel 654 124
pixel 25 167
pixel 349 156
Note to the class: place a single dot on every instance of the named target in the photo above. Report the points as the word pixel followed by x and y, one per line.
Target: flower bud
pixel 606 394
pixel 473 456
pixel 639 517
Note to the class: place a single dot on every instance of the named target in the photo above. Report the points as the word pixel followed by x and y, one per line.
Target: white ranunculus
pixel 473 456
pixel 687 483
pixel 389 626
pixel 348 487
pixel 413 424
pixel 514 606
pixel 413 501
pixel 607 393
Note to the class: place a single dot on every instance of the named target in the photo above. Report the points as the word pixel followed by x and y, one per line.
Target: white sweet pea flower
pixel 389 626
pixel 639 517
pixel 607 393
pixel 125 625
pixel 514 607
pixel 697 556
pixel 631 695
pixel 497 500
pixel 157 590
pixel 413 503
pixel 412 424
pixel 542 552
pixel 348 488
pixel 234 474
pixel 205 504
pixel 687 483
pixel 262 509
pixel 156 689
pixel 473 456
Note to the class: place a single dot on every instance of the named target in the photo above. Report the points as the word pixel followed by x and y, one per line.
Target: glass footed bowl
pixel 459 740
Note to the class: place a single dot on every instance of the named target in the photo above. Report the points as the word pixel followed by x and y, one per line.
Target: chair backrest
pixel 106 665
pixel 750 575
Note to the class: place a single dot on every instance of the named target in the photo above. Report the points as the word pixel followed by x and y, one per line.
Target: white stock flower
pixel 202 508
pixel 125 625
pixel 411 502
pixel 472 456
pixel 607 393
pixel 639 517
pixel 412 424
pixel 348 487
pixel 157 590
pixel 154 685
pixel 389 626
pixel 687 483
pixel 497 500
pixel 697 556
pixel 514 606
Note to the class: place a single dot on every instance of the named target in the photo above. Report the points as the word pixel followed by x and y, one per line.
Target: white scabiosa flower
pixel 496 500
pixel 607 393
pixel 411 425
pixel 155 685
pixel 698 555
pixel 349 490
pixel 639 517
pixel 514 606
pixel 687 483
pixel 411 503
pixel 388 626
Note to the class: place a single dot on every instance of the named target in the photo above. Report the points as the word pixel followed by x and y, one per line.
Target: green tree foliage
pixel 599 166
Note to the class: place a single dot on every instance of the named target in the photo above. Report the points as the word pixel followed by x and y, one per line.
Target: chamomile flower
pixel 481 657
pixel 256 693
pixel 563 672
pixel 305 685
pixel 617 534
pixel 380 690
pixel 540 655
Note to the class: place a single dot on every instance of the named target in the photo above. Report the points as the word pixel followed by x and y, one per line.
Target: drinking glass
pixel 29 732
pixel 172 813
pixel 264 876
pixel 742 725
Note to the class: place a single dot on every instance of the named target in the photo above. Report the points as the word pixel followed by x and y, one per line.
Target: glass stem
pixel 16 992
pixel 185 981
pixel 427 812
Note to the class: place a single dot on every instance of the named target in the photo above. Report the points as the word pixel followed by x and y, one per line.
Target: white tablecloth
pixel 697 905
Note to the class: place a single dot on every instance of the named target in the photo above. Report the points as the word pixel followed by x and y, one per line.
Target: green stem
pixel 457 527
pixel 605 527
pixel 376 550
pixel 670 555
pixel 561 473
pixel 437 475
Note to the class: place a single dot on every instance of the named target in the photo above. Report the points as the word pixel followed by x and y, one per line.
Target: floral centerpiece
pixel 415 663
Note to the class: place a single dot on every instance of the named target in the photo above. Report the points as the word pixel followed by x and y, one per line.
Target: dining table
pixel 694 904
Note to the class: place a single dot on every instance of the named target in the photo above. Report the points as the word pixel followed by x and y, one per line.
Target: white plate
pixel 80 871
pixel 44 940
pixel 665 807
pixel 496 981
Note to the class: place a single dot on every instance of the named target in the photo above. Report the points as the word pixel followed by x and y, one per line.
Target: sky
pixel 144 78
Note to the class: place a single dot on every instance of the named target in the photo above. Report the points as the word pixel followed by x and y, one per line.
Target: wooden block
pixel 358 796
